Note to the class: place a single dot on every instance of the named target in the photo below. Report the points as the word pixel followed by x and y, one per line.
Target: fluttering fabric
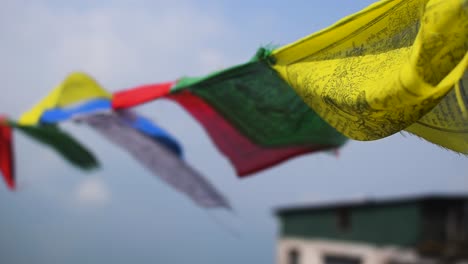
pixel 139 95
pixel 61 114
pixel 262 106
pixel 136 134
pixel 148 128
pixel 245 156
pixel 7 166
pixel 156 158
pixel 64 144
pixel 76 88
pixel 254 118
pixel 384 69
pixel 447 123
pixel 144 125
pixel 396 65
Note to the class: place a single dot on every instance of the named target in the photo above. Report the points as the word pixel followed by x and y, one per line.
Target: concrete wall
pixel 313 252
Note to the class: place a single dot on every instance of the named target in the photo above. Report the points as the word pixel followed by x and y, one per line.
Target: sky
pixel 123 214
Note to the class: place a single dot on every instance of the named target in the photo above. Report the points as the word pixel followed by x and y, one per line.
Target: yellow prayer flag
pixel 447 123
pixel 379 71
pixel 77 87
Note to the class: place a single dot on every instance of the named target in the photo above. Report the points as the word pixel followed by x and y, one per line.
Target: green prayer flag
pixel 70 149
pixel 262 106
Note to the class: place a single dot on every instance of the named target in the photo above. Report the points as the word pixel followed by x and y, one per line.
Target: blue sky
pixel 121 213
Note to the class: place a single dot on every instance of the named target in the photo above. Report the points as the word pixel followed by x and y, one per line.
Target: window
pixel 330 259
pixel 343 219
pixel 294 256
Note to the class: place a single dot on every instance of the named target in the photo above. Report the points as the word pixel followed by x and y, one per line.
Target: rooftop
pixel 369 202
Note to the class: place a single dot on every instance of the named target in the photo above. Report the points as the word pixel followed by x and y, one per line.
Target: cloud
pixel 120 45
pixel 92 192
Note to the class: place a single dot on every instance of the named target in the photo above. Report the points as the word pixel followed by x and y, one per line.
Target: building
pixel 423 229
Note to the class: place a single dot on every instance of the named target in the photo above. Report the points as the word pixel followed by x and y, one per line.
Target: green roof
pixel 397 222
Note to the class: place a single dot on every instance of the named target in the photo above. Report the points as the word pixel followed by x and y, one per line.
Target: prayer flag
pixel 245 156
pixel 93 106
pixel 70 149
pixel 6 153
pixel 262 106
pixel 381 70
pixel 161 162
pixel 447 123
pixel 76 88
pixel 139 95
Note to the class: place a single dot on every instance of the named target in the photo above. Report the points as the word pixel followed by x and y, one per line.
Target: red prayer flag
pixel 140 94
pixel 6 153
pixel 246 156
